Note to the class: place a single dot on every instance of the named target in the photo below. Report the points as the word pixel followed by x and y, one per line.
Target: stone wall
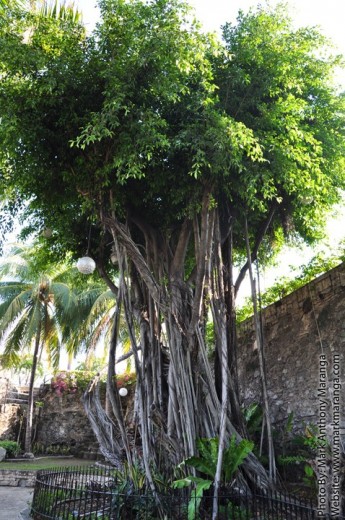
pixel 62 422
pixel 59 422
pixel 4 388
pixel 17 478
pixel 298 330
pixel 10 413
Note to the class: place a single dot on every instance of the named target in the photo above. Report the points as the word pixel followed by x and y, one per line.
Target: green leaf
pixel 200 486
pixel 234 456
pixel 205 466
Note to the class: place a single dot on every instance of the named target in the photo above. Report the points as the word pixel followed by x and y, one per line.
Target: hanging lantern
pixel 123 392
pixel 86 265
pixel 306 200
pixel 46 232
pixel 113 256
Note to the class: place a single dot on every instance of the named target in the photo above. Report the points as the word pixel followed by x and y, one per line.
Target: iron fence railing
pixel 95 493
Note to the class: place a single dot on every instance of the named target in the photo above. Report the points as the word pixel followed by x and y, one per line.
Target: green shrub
pixel 12 448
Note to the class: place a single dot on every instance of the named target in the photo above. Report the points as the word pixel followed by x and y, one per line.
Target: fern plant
pixel 206 463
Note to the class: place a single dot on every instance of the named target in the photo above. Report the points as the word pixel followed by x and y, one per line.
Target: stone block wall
pixel 62 422
pixel 298 330
pixel 4 388
pixel 10 413
pixel 10 417
pixel 17 478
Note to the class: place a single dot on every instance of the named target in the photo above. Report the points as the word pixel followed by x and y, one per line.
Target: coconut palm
pixel 92 322
pixel 96 308
pixel 33 311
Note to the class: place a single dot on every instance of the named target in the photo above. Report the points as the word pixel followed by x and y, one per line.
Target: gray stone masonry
pixel 304 342
pixel 17 478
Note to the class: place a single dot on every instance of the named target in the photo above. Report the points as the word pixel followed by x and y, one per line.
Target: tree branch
pixel 137 258
pixel 207 222
pixel 126 356
pixel 181 250
pixel 104 275
pixel 259 238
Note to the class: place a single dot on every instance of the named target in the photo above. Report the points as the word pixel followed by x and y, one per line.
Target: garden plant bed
pixel 98 493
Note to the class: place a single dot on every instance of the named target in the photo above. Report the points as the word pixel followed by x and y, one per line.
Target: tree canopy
pixel 152 110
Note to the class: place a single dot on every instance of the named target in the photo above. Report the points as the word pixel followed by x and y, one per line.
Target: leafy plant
pixel 300 451
pixel 310 478
pixel 64 382
pixel 232 511
pixel 285 285
pixel 201 485
pixel 58 450
pixel 70 382
pixel 252 416
pixel 12 448
pixel 206 463
pixel 310 439
pixel 126 379
pixel 134 476
pixel 286 460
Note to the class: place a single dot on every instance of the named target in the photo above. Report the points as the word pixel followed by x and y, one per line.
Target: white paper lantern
pixel 123 392
pixel 47 232
pixel 113 257
pixel 307 200
pixel 86 265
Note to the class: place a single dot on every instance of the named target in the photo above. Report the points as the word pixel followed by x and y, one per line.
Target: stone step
pixel 91 455
pixel 14 395
pixel 15 400
pixel 21 395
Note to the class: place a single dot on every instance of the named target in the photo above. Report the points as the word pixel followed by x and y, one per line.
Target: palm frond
pixel 95 298
pixel 53 348
pixel 90 305
pixel 15 265
pixel 102 306
pixel 32 301
pixel 14 310
pixel 65 299
pixel 34 321
pixel 9 359
pixel 60 11
pixel 49 324
pixel 9 291
pixel 15 340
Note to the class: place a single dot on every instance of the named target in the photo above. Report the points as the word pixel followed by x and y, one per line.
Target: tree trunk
pixel 165 311
pixel 260 345
pixel 30 410
pixel 219 316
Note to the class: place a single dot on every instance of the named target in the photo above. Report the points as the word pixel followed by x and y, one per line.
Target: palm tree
pixel 34 308
pixel 51 310
pixel 93 320
pixel 92 324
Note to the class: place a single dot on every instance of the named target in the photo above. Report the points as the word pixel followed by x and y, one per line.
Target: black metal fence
pixel 94 493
